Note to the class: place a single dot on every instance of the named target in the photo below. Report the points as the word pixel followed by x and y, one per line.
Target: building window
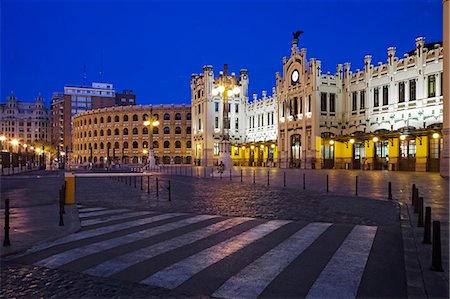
pixel 216 149
pixel 101 120
pixel 431 86
pixel 216 122
pixel 101 132
pixel 376 97
pixel 125 131
pixel 116 132
pixel 323 101
pixel 442 82
pixel 155 144
pixel 188 144
pixel 295 106
pixel 116 144
pixel 188 116
pixel 95 121
pixel 332 102
pixel 166 130
pixel 188 130
pixel 216 106
pixel 135 131
pixel 135 144
pixel 385 95
pixel 282 110
pixel 177 130
pixel 125 117
pixel 309 103
pixel 145 131
pixel 102 145
pixel 236 124
pixel 109 119
pixel 199 124
pixel 177 144
pixel 166 144
pixel 166 116
pixel 156 116
pixel 95 133
pixel 401 92
pixel 362 99
pixel 145 144
pixel 116 119
pixel 178 116
pixel 412 90
pixel 354 99
pixel 236 108
pixel 155 130
pixel 135 117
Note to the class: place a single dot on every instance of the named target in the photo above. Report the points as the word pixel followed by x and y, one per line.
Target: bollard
pixel 141 183
pixel 157 187
pixel 304 181
pixel 413 193
pixel 268 183
pixel 6 241
pixel 61 207
pixel 327 183
pixel 416 198
pixel 436 258
pixel 420 212
pixel 148 184
pixel 284 179
pixel 356 186
pixel 254 179
pixel 389 190
pixel 63 196
pixel 427 229
pixel 241 175
pixel 168 188
pixel 230 175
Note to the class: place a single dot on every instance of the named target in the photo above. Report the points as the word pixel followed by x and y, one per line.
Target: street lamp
pixel 150 123
pixel 227 88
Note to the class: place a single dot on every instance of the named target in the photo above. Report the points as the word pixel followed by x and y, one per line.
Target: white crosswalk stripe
pixel 76 253
pixel 111 267
pixel 351 256
pixel 174 275
pixel 209 248
pixel 113 217
pixel 86 210
pixel 251 281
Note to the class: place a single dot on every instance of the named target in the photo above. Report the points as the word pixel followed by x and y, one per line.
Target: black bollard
pixel 416 201
pixel 304 181
pixel 6 241
pixel 268 183
pixel 436 257
pixel 413 193
pixel 230 175
pixel 141 184
pixel 63 196
pixel 157 187
pixel 389 190
pixel 420 212
pixel 254 175
pixel 241 175
pixel 168 189
pixel 148 184
pixel 284 179
pixel 61 207
pixel 356 186
pixel 427 229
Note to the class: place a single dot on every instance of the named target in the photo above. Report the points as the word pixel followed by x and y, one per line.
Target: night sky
pixel 153 47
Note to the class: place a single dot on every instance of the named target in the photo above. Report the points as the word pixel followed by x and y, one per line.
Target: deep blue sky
pixel 153 47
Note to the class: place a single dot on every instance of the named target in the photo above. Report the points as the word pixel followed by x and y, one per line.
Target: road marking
pixel 85 210
pixel 120 263
pixel 65 257
pixel 342 274
pixel 174 275
pixel 113 217
pixel 103 230
pixel 254 278
pixel 103 212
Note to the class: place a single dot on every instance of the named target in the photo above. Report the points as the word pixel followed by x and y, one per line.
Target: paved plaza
pixel 212 236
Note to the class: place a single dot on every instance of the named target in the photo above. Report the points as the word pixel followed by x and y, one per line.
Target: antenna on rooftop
pixel 101 67
pixel 84 75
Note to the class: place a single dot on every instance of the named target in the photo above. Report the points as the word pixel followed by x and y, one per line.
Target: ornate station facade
pixel 385 116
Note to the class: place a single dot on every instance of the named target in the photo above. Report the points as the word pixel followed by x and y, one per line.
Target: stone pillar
pixel 444 165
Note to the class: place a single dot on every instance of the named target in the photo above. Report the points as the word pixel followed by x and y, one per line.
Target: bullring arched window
pixel 178 144
pixel 178 116
pixel 135 131
pixel 135 117
pixel 125 131
pixel 135 144
pixel 177 130
pixel 166 144
pixel 166 116
pixel 166 130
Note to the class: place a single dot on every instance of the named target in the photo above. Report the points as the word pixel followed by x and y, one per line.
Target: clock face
pixel 294 76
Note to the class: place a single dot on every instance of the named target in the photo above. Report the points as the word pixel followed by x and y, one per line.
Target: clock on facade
pixel 294 76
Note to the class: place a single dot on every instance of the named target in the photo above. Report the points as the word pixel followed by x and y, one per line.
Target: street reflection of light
pixel 436 135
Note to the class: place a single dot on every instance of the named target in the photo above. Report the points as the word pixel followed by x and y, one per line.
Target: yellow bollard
pixel 69 178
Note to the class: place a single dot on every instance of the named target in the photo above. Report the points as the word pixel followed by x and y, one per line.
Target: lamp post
pixel 227 88
pixel 150 123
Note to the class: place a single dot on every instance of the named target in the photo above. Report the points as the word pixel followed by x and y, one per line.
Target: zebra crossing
pixel 225 257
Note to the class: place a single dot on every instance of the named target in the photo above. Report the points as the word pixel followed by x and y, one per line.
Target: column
pixel 444 165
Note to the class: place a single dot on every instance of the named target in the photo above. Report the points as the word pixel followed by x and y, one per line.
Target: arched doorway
pixel 327 150
pixel 435 146
pixel 407 154
pixel 296 151
pixel 178 160
pixel 359 153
